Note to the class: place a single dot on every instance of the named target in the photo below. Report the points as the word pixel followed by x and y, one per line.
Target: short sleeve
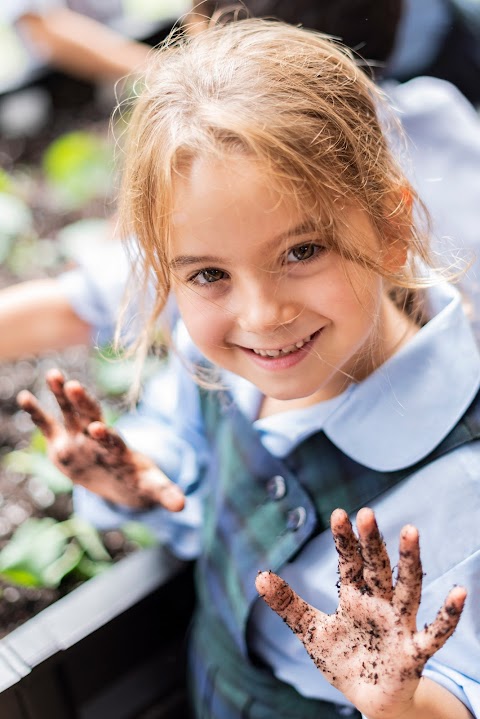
pixel 96 288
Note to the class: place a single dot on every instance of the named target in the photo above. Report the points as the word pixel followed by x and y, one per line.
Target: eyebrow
pixel 187 260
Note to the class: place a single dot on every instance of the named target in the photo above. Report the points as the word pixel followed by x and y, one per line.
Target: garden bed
pixel 111 647
pixel 34 255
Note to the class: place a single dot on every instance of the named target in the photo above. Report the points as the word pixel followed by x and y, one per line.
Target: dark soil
pixel 74 107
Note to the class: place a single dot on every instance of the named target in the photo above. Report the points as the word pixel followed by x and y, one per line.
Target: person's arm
pixel 36 317
pixel 82 46
pixel 370 648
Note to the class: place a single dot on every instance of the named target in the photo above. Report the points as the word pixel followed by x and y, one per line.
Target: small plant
pixel 115 373
pixel 43 551
pixel 34 462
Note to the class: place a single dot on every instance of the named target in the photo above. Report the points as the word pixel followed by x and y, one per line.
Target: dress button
pixel 276 487
pixel 295 518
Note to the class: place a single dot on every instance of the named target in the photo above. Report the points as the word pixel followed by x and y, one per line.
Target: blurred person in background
pixel 89 40
pixel 440 38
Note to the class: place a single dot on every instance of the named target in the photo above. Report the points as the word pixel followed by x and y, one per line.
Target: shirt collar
pixel 404 409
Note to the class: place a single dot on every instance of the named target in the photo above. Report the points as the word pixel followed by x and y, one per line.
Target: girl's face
pixel 260 295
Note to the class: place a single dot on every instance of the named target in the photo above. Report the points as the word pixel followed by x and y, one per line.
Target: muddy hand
pixel 370 648
pixel 95 456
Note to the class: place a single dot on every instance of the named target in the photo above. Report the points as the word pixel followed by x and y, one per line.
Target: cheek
pixel 356 295
pixel 352 306
pixel 206 323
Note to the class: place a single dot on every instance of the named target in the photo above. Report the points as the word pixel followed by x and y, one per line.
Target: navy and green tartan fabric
pixel 231 688
pixel 246 529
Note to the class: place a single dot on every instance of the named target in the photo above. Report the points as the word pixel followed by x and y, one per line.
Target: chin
pixel 285 395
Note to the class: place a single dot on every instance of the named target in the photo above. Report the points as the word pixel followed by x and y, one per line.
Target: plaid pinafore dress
pixel 261 511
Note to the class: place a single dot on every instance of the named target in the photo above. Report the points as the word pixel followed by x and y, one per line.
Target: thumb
pixel 156 486
pixel 280 597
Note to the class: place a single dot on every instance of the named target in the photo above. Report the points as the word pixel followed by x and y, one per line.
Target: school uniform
pixel 260 493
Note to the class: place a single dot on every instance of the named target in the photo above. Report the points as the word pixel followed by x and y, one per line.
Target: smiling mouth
pixel 285 350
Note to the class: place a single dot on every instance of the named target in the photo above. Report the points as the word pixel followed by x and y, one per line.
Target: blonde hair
pixel 293 100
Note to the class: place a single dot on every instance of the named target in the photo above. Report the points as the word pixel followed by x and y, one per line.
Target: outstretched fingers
pixel 56 383
pixel 377 571
pixel 45 423
pixel 79 409
pixel 408 587
pixel 434 636
pixel 87 408
pixel 350 564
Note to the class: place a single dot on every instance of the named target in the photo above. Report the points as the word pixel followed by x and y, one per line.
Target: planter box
pixel 112 649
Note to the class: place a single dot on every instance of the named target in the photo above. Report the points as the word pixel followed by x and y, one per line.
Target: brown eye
pixel 209 276
pixel 300 253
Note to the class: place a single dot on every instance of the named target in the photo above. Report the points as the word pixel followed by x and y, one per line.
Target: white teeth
pixel 285 350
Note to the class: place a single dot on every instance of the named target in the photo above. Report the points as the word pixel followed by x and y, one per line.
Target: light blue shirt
pixel 390 420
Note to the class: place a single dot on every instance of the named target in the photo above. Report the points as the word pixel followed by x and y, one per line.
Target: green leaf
pixel 116 377
pixel 139 534
pixel 6 183
pixel 43 551
pixel 58 569
pixel 87 568
pixel 87 537
pixel 20 577
pixel 36 545
pixel 35 464
pixel 78 166
pixel 38 442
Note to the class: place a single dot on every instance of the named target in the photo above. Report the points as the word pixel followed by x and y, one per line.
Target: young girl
pixel 264 199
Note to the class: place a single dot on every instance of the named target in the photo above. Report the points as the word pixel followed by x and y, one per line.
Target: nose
pixel 263 308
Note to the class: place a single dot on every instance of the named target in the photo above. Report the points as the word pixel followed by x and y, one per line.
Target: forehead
pixel 233 197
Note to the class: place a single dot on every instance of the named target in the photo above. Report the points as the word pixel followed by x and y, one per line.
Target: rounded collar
pixel 404 409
